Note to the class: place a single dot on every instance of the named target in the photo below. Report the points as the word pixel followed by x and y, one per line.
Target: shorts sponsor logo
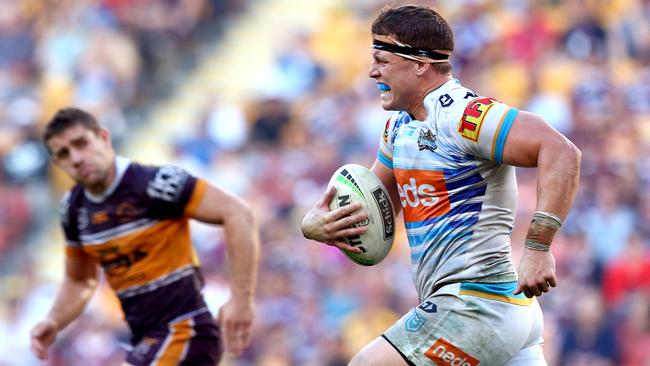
pixel 386 210
pixel 444 353
pixel 414 322
pixel 423 194
pixel 473 116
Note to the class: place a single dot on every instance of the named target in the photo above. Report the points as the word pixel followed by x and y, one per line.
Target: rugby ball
pixel 355 183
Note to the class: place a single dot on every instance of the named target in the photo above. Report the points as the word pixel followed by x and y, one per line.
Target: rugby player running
pixel 133 221
pixel 448 156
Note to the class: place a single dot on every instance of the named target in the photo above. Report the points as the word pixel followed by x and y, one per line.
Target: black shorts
pixel 191 339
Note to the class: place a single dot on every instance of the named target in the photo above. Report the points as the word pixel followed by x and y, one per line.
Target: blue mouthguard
pixel 383 87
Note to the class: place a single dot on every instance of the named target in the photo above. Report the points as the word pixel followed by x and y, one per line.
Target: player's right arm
pixel 383 165
pixel 331 227
pixel 79 284
pixel 387 177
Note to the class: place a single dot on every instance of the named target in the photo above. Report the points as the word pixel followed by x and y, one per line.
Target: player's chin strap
pixel 389 44
pixel 542 230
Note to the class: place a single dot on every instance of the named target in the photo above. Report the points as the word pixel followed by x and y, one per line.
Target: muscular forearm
pixel 71 301
pixel 243 248
pixel 557 177
pixel 388 179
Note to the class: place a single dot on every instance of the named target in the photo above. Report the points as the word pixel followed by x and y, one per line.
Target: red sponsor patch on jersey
pixel 444 353
pixel 473 116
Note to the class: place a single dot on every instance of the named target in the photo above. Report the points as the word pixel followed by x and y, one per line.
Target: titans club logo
pixel 427 141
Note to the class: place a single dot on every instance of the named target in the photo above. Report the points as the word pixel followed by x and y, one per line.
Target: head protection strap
pixel 389 44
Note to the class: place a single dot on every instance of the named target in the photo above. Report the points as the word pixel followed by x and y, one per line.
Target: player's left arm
pixel 532 142
pixel 217 206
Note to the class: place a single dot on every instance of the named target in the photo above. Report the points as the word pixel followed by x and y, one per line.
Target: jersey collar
pixel 439 97
pixel 121 164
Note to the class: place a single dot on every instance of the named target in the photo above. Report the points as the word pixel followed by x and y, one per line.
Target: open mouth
pixel 384 88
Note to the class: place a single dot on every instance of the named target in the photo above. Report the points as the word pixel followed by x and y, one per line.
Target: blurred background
pixel 267 98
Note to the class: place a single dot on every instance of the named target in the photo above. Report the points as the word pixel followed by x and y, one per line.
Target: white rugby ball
pixel 355 183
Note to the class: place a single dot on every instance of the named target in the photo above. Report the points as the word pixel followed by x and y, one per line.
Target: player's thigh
pixel 450 329
pixel 530 356
pixel 378 353
pixel 439 328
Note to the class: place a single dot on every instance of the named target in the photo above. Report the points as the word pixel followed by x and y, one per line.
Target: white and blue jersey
pixel 457 197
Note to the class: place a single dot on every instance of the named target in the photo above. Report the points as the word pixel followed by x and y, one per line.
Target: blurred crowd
pixel 111 57
pixel 584 65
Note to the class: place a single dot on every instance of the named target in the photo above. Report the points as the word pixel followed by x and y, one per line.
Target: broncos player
pixel 133 222
pixel 447 156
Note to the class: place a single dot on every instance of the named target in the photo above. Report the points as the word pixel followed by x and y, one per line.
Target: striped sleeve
pixel 385 152
pixel 503 128
pixel 171 192
pixel 195 199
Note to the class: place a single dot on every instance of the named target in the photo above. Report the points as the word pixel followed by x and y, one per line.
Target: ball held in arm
pixel 355 183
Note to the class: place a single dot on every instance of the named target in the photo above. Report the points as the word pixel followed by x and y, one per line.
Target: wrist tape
pixel 542 230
